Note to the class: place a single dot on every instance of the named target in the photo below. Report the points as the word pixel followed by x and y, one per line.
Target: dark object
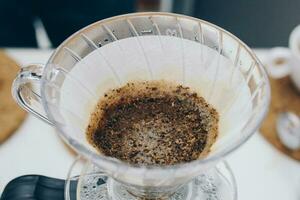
pixel 36 187
pixel 60 18
pixel 265 23
pixel 148 5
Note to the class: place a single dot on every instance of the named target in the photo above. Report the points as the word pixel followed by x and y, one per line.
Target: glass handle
pixel 26 95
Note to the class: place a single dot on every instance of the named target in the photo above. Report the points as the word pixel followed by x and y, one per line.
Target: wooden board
pixel 11 115
pixel 285 97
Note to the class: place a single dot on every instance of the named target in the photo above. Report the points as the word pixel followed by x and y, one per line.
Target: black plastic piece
pixel 36 187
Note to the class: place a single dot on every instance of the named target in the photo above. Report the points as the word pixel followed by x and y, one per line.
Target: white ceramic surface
pixel 282 61
pixel 261 171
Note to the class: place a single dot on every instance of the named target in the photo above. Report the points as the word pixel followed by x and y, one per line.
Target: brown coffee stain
pixel 153 123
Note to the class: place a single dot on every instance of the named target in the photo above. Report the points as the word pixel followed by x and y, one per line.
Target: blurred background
pixel 31 29
pixel 45 24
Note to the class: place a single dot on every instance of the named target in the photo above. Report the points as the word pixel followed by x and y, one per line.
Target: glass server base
pixel 216 184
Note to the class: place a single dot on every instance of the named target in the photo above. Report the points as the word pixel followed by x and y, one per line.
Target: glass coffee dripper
pixel 148 46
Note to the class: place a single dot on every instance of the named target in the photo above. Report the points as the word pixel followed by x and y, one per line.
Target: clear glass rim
pixel 107 162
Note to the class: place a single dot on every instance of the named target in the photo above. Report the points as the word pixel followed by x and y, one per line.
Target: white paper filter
pixel 156 57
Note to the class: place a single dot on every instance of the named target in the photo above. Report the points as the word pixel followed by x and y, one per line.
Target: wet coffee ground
pixel 153 123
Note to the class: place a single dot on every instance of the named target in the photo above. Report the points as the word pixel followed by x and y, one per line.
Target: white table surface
pixel 262 173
